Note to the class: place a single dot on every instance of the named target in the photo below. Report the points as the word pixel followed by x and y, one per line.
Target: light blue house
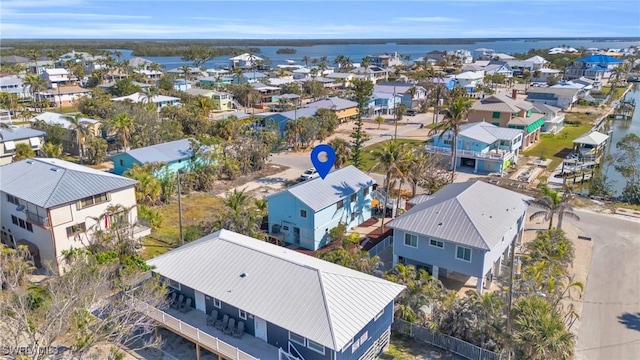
pixel 268 119
pixel 464 228
pixel 303 214
pixel 382 103
pixel 404 90
pixel 292 305
pixel 175 154
pixel 480 146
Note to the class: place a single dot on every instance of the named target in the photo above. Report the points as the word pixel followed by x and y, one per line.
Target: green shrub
pixel 153 217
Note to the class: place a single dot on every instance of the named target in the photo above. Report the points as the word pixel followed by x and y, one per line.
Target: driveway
pixel 610 324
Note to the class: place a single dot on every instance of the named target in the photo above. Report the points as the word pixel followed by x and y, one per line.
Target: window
pixel 364 337
pixel 463 253
pixel 340 204
pixel 411 240
pixel 354 216
pixel 172 283
pixel 75 229
pixel 495 123
pixel 315 347
pixel 14 219
pixel 436 243
pixel 297 338
pixel 496 115
pixel 12 199
pixel 22 224
pixel 355 346
pixel 29 227
pixel 354 197
pixel 121 162
pixel 379 315
pixel 365 192
pixel 93 200
pixel 242 314
pixel 303 213
pixel 216 303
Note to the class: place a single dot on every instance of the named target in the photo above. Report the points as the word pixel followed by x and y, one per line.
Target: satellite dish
pixel 20 208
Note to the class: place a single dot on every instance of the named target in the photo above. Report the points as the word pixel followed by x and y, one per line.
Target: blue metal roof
pixel 600 59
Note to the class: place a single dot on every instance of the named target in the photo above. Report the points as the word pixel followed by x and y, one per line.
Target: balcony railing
pixel 193 333
pixel 468 153
pixel 39 220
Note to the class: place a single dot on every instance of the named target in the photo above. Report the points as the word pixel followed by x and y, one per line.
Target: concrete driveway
pixel 610 324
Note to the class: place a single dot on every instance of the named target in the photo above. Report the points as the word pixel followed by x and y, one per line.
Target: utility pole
pixel 180 208
pixel 511 273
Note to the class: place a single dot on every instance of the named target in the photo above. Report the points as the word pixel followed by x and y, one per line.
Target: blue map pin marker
pixel 323 167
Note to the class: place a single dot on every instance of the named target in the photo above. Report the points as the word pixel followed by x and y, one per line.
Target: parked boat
pixel 291 62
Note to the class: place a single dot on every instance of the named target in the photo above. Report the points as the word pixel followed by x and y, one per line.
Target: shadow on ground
pixel 630 320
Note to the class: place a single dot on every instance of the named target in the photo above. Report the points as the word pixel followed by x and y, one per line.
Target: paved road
pixel 610 324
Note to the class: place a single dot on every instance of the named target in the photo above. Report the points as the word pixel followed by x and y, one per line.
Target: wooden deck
pixel 193 327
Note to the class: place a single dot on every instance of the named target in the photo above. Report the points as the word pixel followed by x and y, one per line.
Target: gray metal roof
pixel 163 153
pixel 545 109
pixel 475 214
pixel 333 103
pixel 487 133
pixel 51 182
pixel 321 301
pixel 319 193
pixel 19 133
pixel 52 118
pixel 592 138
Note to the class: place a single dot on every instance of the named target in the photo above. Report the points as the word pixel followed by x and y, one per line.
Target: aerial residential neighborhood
pixel 251 197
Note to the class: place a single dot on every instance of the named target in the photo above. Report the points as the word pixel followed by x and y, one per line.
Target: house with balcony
pixel 509 112
pixel 159 100
pixel 67 136
pixel 382 103
pixel 12 137
pixel 56 77
pixel 553 117
pixel 63 96
pixel 245 61
pixel 410 93
pixel 268 93
pixel 386 60
pixel 5 116
pixel 464 229
pixel 561 97
pixel 483 54
pixel 292 305
pixel 372 73
pixel 545 74
pixel 594 67
pixel 304 213
pixel 174 155
pixel 222 101
pixel 499 68
pixel 481 146
pixel 52 205
pixel 469 80
pixel 14 85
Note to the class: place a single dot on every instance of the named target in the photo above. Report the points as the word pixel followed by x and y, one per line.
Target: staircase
pixel 237 104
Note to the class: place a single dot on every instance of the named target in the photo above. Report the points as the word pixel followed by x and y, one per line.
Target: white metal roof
pixel 592 138
pixel 141 97
pixel 51 182
pixel 52 118
pixel 319 193
pixel 321 301
pixel 475 214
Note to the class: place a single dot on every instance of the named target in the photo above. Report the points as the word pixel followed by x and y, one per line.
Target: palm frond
pixel 539 214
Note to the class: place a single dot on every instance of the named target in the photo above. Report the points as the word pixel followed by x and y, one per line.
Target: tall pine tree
pixel 363 90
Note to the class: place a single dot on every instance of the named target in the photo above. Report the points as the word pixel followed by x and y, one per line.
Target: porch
pixel 193 327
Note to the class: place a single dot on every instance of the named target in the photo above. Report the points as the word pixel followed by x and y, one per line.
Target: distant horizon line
pixel 614 38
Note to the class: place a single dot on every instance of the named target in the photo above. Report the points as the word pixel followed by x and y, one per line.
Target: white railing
pixel 194 334
pixel 379 247
pixel 460 152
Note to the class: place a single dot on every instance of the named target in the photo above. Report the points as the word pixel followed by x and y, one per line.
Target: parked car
pixel 411 112
pixel 309 174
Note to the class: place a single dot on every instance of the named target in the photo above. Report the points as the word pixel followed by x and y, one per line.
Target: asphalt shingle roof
pixel 319 193
pixel 475 214
pixel 51 182
pixel 321 301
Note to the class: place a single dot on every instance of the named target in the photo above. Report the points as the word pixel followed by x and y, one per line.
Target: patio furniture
pixel 186 306
pixel 211 320
pixel 177 304
pixel 221 324
pixel 229 328
pixel 239 331
pixel 172 299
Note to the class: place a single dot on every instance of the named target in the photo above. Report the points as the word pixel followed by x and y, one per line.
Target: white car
pixel 309 174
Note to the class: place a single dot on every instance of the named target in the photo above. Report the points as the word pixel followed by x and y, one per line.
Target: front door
pixel 296 235
pixel 260 326
pixel 200 304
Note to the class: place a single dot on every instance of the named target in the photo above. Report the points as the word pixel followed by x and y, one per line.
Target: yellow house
pixel 222 101
pixel 68 137
pixel 344 109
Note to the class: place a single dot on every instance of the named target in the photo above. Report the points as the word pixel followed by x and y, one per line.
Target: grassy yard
pixel 196 208
pixel 617 94
pixel 368 160
pixel 557 147
pixel 405 348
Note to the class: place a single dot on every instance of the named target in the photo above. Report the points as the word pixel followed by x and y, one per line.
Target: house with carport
pixel 480 146
pixel 464 229
pixel 304 214
pixel 509 112
pixel 292 305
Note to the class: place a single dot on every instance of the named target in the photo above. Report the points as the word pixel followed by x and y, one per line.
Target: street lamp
pixel 180 172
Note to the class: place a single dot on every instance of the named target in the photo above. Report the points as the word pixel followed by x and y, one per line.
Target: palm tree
pixel 379 120
pixel 240 214
pixel 553 202
pixel 36 85
pixel 342 150
pixel 305 60
pixel 455 115
pixel 51 150
pixel 80 131
pixel 186 70
pixel 422 290
pixel 124 126
pixel 35 56
pixel 400 111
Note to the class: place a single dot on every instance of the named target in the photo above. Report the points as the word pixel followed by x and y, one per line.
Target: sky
pixel 316 19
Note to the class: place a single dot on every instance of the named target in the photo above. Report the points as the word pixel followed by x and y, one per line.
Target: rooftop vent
pixel 55 169
pixel 243 275
pixel 29 162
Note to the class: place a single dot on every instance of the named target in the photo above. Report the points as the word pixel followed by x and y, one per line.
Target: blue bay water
pixel 357 51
